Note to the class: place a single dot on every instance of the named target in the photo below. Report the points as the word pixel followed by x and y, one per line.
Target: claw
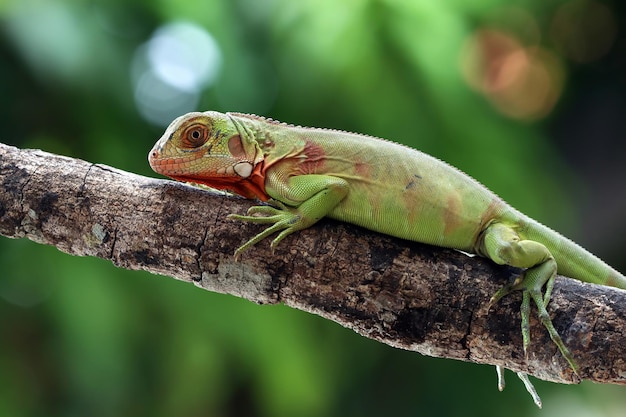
pixel 506 290
pixel 544 317
pixel 530 388
pixel 281 218
pixel 531 289
pixel 525 313
pixel 524 377
pixel 501 383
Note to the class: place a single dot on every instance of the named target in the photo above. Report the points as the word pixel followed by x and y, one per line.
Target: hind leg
pixel 503 245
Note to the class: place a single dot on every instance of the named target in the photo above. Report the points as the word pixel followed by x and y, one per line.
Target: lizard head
pixel 207 148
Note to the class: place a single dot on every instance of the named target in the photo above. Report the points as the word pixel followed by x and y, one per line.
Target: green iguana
pixel 306 174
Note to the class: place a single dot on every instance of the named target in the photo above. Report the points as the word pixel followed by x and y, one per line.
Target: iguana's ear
pixel 238 150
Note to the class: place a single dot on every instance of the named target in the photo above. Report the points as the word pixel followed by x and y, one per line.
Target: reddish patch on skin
pixel 362 169
pixel 451 215
pixel 315 159
pixel 613 280
pixel 493 211
pixel 268 144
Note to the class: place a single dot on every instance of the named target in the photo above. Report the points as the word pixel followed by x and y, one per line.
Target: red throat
pixel 250 187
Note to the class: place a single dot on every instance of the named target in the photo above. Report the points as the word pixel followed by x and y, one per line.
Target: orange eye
pixel 194 136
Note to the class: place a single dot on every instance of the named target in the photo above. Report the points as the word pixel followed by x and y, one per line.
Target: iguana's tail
pixel 573 260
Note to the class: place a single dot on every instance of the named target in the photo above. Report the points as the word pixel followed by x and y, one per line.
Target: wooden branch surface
pixel 405 294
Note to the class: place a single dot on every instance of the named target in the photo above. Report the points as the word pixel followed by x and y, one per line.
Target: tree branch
pixel 405 294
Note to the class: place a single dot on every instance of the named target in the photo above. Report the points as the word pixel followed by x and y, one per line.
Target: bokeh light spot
pixel 521 82
pixel 171 70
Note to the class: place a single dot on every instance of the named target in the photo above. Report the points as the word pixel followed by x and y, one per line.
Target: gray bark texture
pixel 405 294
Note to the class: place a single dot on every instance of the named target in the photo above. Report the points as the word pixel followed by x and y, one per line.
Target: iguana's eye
pixel 194 136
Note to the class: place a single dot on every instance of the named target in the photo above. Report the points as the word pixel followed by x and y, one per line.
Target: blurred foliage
pixel 528 99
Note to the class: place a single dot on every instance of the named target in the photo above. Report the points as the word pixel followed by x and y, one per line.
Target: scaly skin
pixel 306 174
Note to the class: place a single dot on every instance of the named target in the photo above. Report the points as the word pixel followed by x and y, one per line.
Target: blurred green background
pixel 529 97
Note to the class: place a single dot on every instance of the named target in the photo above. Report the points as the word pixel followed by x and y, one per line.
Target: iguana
pixel 305 174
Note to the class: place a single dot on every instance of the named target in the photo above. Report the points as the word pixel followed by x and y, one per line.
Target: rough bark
pixel 405 294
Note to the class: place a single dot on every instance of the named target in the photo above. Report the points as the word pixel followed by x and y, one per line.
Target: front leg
pixel 298 203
